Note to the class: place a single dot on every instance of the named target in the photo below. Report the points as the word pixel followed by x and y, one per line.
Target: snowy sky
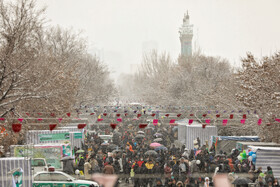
pixel 117 29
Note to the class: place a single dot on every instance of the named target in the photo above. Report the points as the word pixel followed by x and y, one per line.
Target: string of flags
pixel 16 127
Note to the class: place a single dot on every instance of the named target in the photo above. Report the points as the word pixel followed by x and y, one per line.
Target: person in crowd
pixel 108 169
pixel 87 169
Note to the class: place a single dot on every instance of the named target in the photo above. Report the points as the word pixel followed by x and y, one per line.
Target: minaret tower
pixel 186 35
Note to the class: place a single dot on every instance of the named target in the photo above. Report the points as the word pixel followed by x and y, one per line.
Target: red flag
pixel 153 115
pixel 59 119
pixel 91 114
pixel 190 121
pixel 142 125
pixel 2 119
pixel 138 115
pixel 104 114
pixel 204 115
pixel 113 126
pixel 68 114
pixel 203 126
pixel 27 114
pixel 167 115
pixel 259 122
pixel 20 119
pixel 244 116
pixel 100 119
pixel 231 116
pixel 118 115
pixel 225 122
pixel 191 115
pixel 155 122
pixel 81 126
pixel 52 126
pixel 16 127
pixel 178 115
pixel 40 119
pixel 172 121
pixel 218 115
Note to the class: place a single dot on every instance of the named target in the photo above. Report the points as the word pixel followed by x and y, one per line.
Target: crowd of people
pixel 129 155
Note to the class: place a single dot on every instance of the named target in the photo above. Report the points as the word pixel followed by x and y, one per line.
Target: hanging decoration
pixel 16 127
pixel 20 119
pixel 259 122
pixel 68 114
pixel 52 126
pixel 81 126
pixel 190 121
pixel 225 122
pixel 143 125
pixel 113 125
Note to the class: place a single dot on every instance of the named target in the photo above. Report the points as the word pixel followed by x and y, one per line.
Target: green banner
pixel 51 137
pixel 78 135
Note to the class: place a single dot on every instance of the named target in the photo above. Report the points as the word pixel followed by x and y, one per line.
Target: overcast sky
pixel 117 29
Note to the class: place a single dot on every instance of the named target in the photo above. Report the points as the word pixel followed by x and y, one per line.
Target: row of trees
pixel 207 81
pixel 45 69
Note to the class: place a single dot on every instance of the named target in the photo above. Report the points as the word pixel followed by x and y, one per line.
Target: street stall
pixel 227 143
pixel 266 156
pixel 188 133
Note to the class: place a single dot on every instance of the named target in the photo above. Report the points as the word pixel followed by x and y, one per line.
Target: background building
pixel 186 35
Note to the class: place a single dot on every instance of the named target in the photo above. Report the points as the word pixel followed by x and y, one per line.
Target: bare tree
pixel 260 89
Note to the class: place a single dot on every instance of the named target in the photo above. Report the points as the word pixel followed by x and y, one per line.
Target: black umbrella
pixel 112 146
pixel 139 136
pixel 241 180
pixel 67 158
pixel 151 152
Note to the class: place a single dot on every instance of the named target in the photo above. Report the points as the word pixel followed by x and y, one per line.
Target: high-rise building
pixel 186 35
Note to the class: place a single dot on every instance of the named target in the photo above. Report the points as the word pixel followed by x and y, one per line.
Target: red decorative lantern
pixel 68 114
pixel 52 114
pixel 179 115
pixel 231 116
pixel 204 115
pixel 91 114
pixel 16 127
pixel 191 114
pixel 138 115
pixel 118 115
pixel 52 126
pixel 126 114
pixel 203 126
pixel 113 126
pixel 143 125
pixel 244 116
pixel 27 114
pixel 81 126
pixel 153 115
pixel 190 121
pixel 218 115
pixel 104 114
pixel 167 115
